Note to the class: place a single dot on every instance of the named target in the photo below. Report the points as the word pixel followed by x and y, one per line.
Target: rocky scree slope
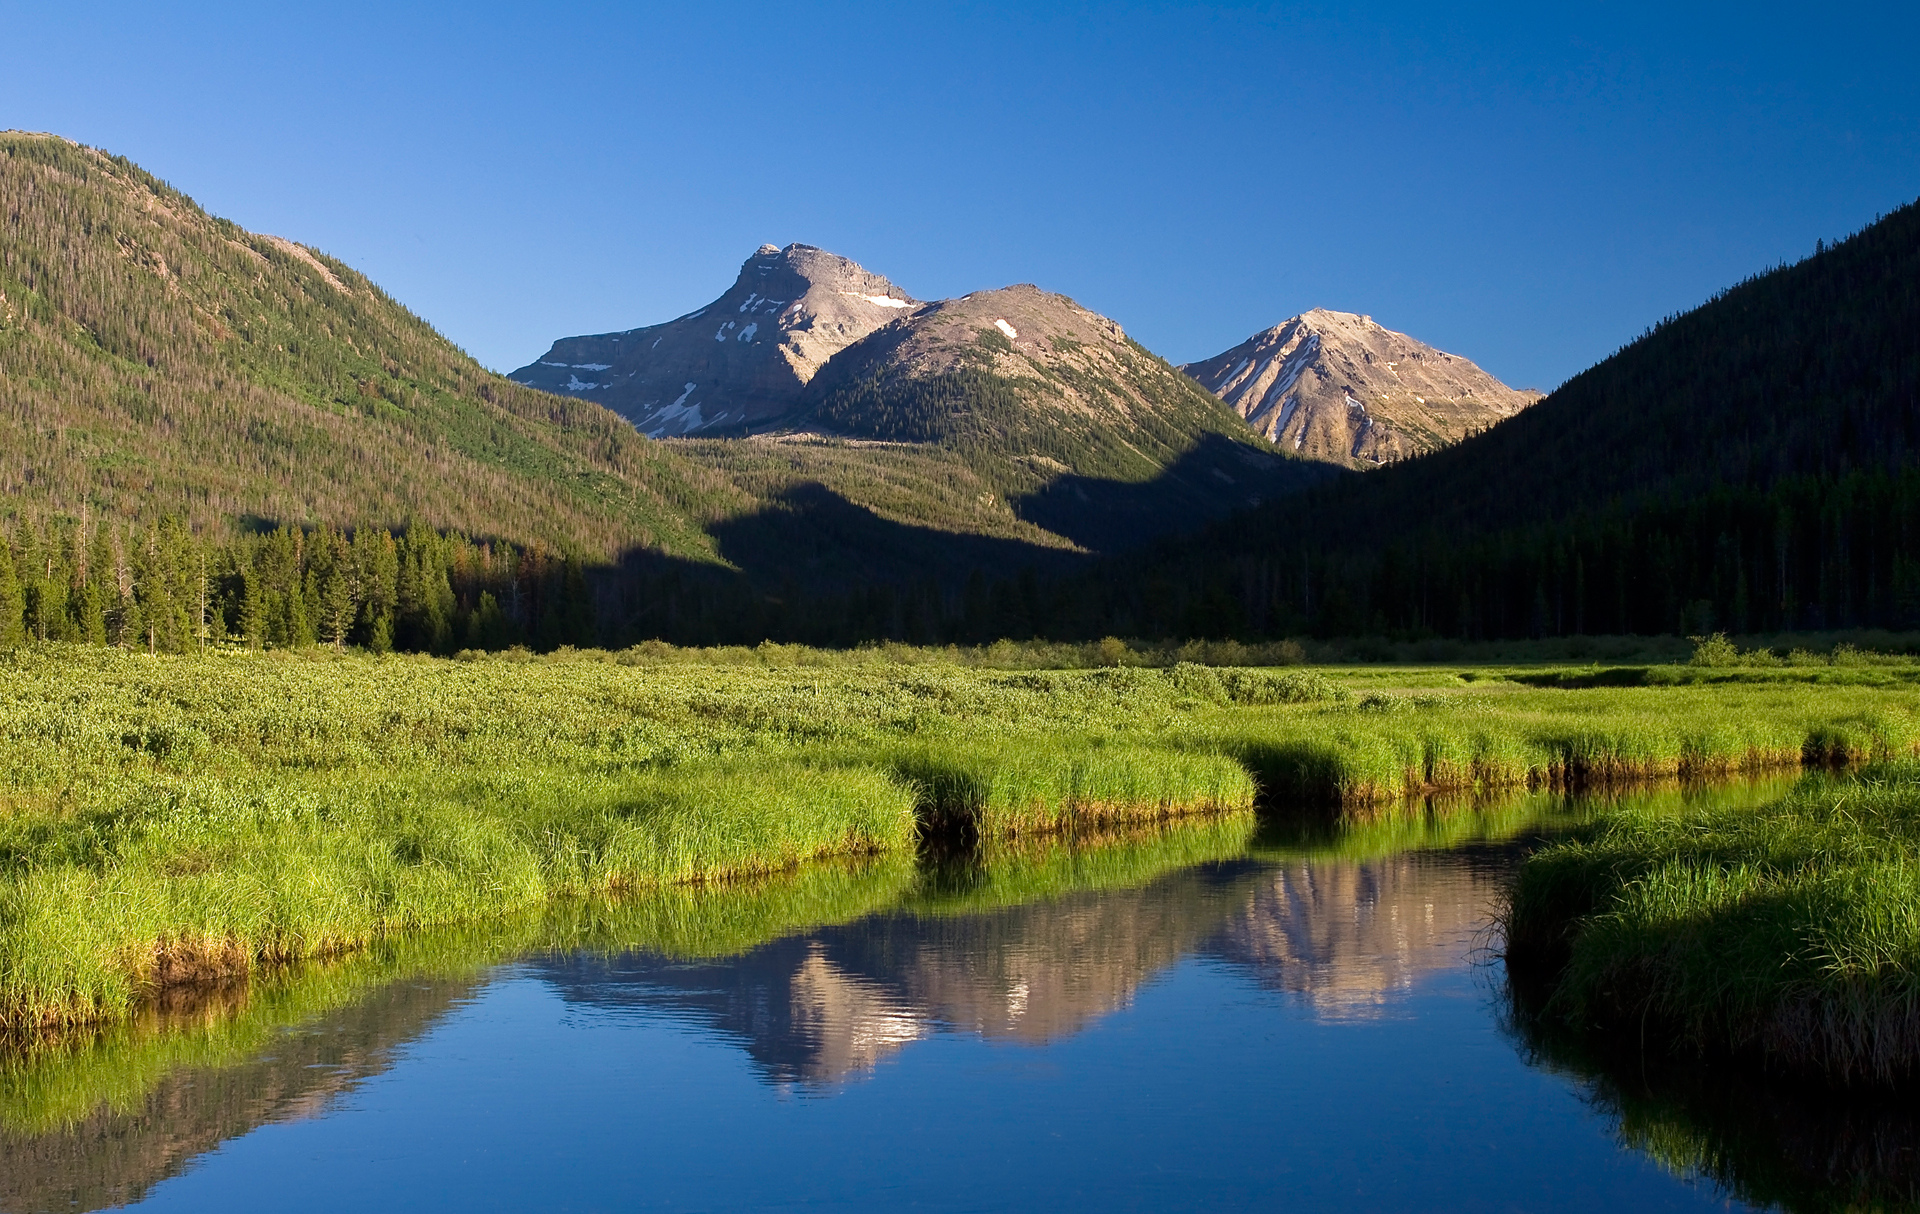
pixel 737 364
pixel 1338 387
pixel 156 360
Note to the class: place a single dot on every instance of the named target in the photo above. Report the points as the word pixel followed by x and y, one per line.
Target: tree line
pixel 163 588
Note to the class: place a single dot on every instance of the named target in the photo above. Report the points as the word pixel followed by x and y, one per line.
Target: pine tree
pixel 335 588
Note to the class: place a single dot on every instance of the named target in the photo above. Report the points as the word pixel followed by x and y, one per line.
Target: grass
pixel 241 809
pixel 1791 932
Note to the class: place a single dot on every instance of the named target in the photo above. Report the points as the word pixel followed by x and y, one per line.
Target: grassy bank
pixel 1790 932
pixel 240 808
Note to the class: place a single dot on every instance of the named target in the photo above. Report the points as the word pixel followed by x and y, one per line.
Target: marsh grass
pixel 164 881
pixel 185 820
pixel 1791 931
pixel 1030 785
pixel 1766 1139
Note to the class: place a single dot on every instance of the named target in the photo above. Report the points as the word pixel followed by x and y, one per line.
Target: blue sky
pixel 1529 185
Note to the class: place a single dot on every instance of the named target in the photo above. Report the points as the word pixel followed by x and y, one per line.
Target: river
pixel 1221 1019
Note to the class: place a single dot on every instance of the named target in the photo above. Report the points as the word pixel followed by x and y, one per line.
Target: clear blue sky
pixel 1529 185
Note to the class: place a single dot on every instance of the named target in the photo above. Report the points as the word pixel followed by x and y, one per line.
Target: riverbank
pixel 240 808
pixel 1790 932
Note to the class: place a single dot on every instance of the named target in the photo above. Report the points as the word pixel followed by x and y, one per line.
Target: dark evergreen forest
pixel 1749 465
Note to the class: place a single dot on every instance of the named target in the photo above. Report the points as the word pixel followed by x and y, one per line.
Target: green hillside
pixel 156 361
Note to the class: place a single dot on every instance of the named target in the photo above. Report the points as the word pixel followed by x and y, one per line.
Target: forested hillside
pixel 207 435
pixel 1747 465
pixel 158 362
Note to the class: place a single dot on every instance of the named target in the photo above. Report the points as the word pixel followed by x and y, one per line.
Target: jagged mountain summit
pixel 737 364
pixel 1338 387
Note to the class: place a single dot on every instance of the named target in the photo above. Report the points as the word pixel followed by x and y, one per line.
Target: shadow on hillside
pixel 814 566
pixel 1214 479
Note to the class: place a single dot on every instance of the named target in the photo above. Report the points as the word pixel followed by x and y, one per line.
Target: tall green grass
pixel 158 881
pixel 1048 785
pixel 188 819
pixel 1791 931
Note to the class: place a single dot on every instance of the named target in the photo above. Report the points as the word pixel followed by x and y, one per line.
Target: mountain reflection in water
pixel 1347 938
pixel 1344 937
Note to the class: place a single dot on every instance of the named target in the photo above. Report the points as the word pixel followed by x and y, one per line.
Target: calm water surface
pixel 1300 1025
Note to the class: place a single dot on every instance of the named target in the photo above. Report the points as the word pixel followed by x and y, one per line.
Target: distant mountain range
pixel 1752 465
pixel 1327 386
pixel 850 463
pixel 1074 436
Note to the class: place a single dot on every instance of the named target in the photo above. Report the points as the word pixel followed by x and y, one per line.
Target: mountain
pixel 1051 403
pixel 737 364
pixel 1338 387
pixel 1753 465
pixel 156 360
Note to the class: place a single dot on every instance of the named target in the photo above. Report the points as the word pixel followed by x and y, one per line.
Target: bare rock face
pixel 1338 387
pixel 736 364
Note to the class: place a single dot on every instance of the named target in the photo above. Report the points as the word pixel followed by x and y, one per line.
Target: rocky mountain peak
pixel 738 363
pixel 1341 387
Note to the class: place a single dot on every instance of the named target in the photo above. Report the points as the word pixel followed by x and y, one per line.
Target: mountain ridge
pixel 1752 463
pixel 1056 405
pixel 1339 386
pixel 737 363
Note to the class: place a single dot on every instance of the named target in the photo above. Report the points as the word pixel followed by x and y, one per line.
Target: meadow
pixel 188 819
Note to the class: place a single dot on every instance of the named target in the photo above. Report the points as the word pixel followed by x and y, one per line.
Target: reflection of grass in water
pixel 723 919
pixel 1013 872
pixel 1443 822
pixel 1762 1140
pixel 56 1081
pixel 49 1083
